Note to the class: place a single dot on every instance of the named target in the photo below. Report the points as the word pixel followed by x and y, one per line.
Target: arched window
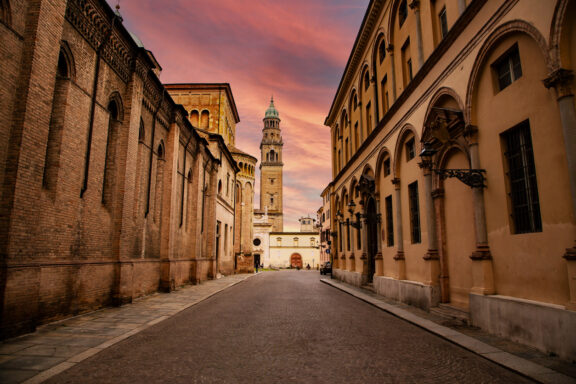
pixel 141 132
pixel 355 101
pixel 204 119
pixel 219 187
pixel 194 118
pixel 366 80
pixel 160 150
pixel 110 159
pixel 382 51
pixel 272 155
pixel 58 115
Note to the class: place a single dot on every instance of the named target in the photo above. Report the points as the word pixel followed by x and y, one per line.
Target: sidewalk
pixel 524 360
pixel 55 347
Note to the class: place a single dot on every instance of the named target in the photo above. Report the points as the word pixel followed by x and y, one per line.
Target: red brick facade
pixel 107 191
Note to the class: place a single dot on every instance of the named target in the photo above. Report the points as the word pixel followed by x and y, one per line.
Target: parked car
pixel 326 268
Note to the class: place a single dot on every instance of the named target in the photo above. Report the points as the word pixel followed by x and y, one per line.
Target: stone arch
pixel 353 184
pixel 391 20
pixel 407 130
pixel 353 94
pixel 364 75
pixel 558 34
pixel 513 26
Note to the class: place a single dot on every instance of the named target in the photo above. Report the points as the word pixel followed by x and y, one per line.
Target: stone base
pixel 547 327
pixel 350 277
pixel 409 292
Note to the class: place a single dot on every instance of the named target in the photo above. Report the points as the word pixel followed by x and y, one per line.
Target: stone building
pixel 212 111
pixel 107 191
pixel 324 226
pixel 453 140
pixel 295 249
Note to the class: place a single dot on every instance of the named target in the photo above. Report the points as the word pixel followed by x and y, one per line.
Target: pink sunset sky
pixel 295 50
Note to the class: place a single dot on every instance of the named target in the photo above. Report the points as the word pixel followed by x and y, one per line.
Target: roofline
pixel 353 59
pixel 211 86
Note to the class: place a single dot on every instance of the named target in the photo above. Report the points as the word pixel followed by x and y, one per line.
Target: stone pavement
pixel 58 346
pixel 516 357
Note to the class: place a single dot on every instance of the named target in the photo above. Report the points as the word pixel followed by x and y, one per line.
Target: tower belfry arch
pixel 271 195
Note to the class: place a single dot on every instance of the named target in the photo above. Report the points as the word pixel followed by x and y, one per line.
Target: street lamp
pixel 474 178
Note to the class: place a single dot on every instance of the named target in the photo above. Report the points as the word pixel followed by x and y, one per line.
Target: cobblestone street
pixel 282 327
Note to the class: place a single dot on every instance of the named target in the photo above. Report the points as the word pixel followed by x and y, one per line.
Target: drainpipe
pixel 93 106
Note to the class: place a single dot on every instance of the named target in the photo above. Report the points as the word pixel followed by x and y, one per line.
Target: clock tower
pixel 271 169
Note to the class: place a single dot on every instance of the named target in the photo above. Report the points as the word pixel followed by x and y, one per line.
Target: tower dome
pixel 271 112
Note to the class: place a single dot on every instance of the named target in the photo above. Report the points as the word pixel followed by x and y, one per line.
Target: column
pixel 379 259
pixel 563 81
pixel 482 270
pixel 415 6
pixel 399 257
pixel 390 51
pixel 431 257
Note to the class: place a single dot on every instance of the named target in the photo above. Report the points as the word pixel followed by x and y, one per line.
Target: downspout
pixel 152 154
pixel 93 106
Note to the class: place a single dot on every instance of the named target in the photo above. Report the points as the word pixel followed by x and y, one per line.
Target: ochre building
pixel 108 192
pixel 453 140
pixel 212 111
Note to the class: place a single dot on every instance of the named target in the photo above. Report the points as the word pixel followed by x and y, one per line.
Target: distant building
pixel 212 111
pixel 454 163
pixel 295 249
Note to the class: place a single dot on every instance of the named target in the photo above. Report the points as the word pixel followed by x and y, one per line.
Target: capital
pixel 562 80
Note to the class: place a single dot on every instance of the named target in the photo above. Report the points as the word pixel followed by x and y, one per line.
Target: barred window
pixel 414 212
pixel 443 22
pixel 387 168
pixel 389 222
pixel 522 183
pixel 410 149
pixel 507 68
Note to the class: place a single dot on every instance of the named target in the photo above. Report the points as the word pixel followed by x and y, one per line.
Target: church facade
pixel 108 190
pixel 454 163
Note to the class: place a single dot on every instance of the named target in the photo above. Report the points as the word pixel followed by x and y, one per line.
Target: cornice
pixel 356 57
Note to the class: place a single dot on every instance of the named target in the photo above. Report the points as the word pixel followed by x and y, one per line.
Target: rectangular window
pixel 521 173
pixel 384 88
pixel 410 150
pixel 389 222
pixel 443 22
pixel 348 234
pixel 368 118
pixel 507 68
pixel 346 151
pixel 406 62
pixel 414 212
pixel 356 139
pixel 387 167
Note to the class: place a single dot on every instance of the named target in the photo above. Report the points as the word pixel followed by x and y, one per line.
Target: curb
pixel 507 360
pixel 72 361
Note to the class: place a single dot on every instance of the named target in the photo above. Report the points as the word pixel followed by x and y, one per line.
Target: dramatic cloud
pixel 295 50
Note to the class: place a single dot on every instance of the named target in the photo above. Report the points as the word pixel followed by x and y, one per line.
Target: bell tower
pixel 271 169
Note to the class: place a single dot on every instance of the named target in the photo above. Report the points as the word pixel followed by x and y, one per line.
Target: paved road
pixel 285 327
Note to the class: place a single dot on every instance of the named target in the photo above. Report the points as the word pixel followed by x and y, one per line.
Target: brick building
pixel 107 191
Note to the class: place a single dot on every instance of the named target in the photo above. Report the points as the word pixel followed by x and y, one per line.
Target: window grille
pixel 410 150
pixel 508 68
pixel 389 222
pixel 387 167
pixel 523 186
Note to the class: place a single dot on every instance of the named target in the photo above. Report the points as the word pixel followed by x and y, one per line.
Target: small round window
pixel 257 242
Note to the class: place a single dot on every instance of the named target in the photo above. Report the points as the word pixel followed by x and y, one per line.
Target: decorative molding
pixel 562 80
pixel 482 252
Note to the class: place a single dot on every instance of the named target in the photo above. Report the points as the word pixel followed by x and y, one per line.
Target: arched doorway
pixel 296 260
pixel 372 240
